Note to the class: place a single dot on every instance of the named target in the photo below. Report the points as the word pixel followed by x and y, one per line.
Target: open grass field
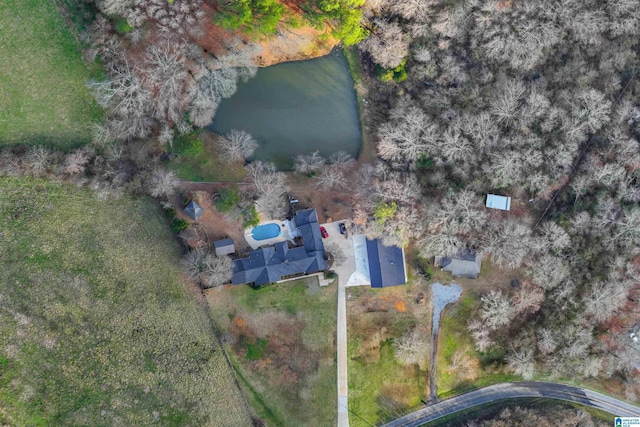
pixel 282 338
pixel 380 387
pixel 97 325
pixel 44 99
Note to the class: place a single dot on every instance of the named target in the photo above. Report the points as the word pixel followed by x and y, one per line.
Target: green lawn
pixel 97 325
pixel 203 162
pixel 380 387
pixel 44 99
pixel 284 348
pixel 382 390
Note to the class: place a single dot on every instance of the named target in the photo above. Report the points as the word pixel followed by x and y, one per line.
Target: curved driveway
pixel 516 390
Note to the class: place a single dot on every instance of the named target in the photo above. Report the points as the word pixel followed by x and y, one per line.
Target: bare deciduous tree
pixel 388 45
pixel 529 298
pixel 549 271
pixel 505 106
pixel 546 341
pixel 340 158
pixel 270 186
pixel 509 242
pixel 194 264
pixel 480 334
pixel 604 298
pixel 162 183
pixel 410 135
pixel 337 253
pixel 166 76
pixel 496 309
pixel 38 159
pixel 219 270
pixel 76 162
pixel 207 269
pixel 307 163
pixel 237 145
pixel 410 349
pixel 331 177
pixel 520 360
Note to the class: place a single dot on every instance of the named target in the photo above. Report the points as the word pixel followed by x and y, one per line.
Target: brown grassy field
pixel 282 338
pixel 380 387
pixel 97 324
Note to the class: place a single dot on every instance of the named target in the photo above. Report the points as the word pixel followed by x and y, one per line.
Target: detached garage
pixel 377 265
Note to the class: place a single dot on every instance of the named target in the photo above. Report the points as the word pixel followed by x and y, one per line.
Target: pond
pixel 295 108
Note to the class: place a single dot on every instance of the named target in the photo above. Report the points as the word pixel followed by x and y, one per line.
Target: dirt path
pixel 442 296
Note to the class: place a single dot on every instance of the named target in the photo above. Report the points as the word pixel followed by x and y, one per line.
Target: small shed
pixel 224 247
pixel 498 202
pixel 193 210
pixel 464 264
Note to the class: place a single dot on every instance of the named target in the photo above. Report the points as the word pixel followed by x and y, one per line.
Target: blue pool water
pixel 265 231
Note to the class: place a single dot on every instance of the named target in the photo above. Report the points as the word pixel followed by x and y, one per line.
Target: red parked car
pixel 323 232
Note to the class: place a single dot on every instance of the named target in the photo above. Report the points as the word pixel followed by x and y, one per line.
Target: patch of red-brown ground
pixel 286 359
pixel 213 40
pixel 214 224
pixel 331 205
pixel 288 45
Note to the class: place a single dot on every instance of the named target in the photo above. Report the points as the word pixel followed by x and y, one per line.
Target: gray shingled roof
pixel 386 264
pixel 193 210
pixel 271 264
pixel 465 264
pixel 224 247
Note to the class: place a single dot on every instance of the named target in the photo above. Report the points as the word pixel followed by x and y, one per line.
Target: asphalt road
pixel 516 390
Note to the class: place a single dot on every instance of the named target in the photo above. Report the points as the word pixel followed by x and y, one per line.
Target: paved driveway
pixel 348 266
pixel 344 270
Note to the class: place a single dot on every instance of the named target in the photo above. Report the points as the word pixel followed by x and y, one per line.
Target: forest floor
pixel 98 326
pixel 281 339
pixel 44 96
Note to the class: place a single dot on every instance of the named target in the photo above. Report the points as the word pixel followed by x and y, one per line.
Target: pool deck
pixel 285 234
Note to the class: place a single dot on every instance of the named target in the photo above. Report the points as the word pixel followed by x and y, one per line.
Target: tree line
pixel 534 100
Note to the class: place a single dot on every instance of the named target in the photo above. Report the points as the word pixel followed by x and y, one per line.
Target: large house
pixel 278 262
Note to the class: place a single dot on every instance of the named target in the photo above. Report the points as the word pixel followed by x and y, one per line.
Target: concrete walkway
pixel 343 387
pixel 344 270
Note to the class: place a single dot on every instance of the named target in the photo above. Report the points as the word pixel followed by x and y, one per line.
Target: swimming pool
pixel 266 231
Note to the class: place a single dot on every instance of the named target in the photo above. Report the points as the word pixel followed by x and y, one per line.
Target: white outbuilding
pixel 498 202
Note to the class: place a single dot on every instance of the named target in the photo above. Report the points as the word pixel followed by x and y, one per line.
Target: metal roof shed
pixel 193 210
pixel 224 247
pixel 498 202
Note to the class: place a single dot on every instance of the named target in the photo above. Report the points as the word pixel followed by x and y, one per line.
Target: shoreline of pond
pixel 298 107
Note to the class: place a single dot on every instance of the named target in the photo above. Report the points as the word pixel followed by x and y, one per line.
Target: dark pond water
pixel 295 108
